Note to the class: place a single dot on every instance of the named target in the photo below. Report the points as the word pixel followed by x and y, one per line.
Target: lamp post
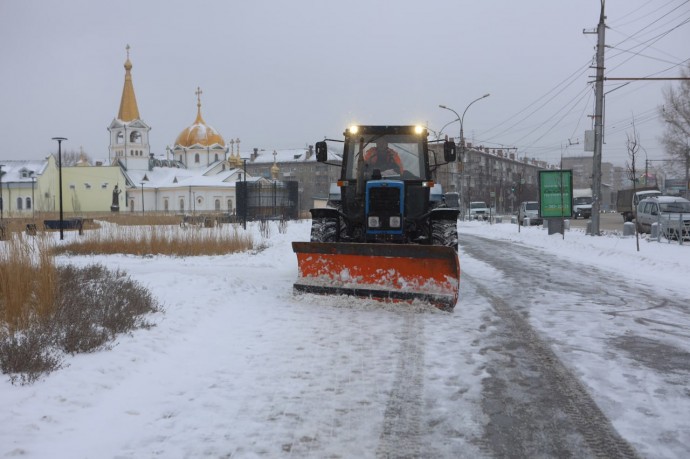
pixel 2 201
pixel 59 141
pixel 33 199
pixel 246 193
pixel 142 199
pixel 461 156
pixel 462 121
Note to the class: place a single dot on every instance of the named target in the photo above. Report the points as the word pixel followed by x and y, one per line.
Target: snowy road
pixel 573 349
pixel 539 359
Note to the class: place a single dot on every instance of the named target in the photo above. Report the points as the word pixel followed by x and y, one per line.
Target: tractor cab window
pixel 394 156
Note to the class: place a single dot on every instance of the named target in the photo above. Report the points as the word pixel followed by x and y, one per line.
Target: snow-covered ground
pixel 237 366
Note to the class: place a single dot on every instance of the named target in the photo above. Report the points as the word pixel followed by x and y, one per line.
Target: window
pixel 166 205
pixel 28 203
pixel 181 204
pixel 196 158
pixel 217 205
pixel 230 205
pixel 19 203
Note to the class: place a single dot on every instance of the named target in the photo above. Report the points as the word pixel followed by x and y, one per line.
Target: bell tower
pixel 129 135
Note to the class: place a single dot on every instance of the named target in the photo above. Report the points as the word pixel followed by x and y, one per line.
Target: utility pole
pixel 598 123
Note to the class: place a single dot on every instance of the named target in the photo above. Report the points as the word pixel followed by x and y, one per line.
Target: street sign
pixel 556 193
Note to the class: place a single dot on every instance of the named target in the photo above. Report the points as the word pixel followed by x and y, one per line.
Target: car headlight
pixel 374 222
pixel 394 222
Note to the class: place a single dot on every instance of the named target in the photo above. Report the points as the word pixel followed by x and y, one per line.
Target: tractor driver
pixel 383 158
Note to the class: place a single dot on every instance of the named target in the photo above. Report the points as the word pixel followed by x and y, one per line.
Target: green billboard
pixel 556 193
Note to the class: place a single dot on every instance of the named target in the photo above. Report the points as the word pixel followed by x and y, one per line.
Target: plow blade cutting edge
pixel 383 271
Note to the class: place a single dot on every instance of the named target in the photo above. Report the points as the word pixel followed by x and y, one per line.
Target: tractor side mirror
pixel 449 153
pixel 321 152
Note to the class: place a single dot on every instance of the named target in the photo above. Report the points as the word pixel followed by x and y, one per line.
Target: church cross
pixel 198 93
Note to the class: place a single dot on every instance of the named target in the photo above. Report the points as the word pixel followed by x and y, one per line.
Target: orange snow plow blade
pixel 392 272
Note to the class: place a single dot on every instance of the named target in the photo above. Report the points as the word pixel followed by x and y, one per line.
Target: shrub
pixel 92 305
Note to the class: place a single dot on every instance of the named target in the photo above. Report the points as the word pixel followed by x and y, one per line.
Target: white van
pixel 529 209
pixel 479 211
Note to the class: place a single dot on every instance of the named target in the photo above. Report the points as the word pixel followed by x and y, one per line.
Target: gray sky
pixel 284 74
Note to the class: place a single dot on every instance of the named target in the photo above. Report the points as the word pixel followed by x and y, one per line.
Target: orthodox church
pixel 198 174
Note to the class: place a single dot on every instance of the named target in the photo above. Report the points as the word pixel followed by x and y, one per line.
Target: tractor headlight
pixel 353 129
pixel 394 222
pixel 418 129
pixel 374 222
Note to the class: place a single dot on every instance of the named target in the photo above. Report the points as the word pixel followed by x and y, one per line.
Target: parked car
pixel 671 212
pixel 529 209
pixel 628 200
pixel 479 210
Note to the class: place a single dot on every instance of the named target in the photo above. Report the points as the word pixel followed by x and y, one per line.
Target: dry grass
pixel 27 281
pixel 160 240
pixel 47 311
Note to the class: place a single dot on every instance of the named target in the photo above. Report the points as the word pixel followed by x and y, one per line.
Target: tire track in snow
pixel 401 436
pixel 536 405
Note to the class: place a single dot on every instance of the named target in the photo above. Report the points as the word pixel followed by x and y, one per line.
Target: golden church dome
pixel 199 133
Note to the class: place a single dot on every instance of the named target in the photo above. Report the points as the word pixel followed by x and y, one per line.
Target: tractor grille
pixel 384 200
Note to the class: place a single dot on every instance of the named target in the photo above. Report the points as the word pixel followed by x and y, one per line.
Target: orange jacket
pixel 390 160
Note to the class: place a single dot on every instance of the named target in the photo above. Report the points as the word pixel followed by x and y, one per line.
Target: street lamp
pixel 246 193
pixel 33 199
pixel 2 203
pixel 461 156
pixel 462 121
pixel 59 141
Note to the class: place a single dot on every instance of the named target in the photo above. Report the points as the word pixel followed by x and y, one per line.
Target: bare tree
pixel 72 158
pixel 633 146
pixel 676 115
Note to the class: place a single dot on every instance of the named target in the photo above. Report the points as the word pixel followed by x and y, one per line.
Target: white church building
pixel 198 174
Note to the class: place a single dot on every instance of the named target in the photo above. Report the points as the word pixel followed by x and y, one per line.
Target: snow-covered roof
pixel 172 177
pixel 295 155
pixel 22 170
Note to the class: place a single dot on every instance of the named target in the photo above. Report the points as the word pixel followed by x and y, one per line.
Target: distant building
pixel 493 175
pixel 195 175
pixel 300 165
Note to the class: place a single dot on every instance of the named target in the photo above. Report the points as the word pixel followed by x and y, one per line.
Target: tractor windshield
pixel 399 156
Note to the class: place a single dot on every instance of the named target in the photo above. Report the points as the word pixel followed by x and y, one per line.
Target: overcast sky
pixel 285 74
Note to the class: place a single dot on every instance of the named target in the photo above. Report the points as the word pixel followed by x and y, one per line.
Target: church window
pixel 217 206
pixel 19 203
pixel 135 137
pixel 166 205
pixel 28 203
pixel 216 156
pixel 181 205
pixel 196 158
pixel 230 205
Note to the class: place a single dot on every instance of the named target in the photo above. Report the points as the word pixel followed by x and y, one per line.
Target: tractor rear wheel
pixel 445 233
pixel 324 229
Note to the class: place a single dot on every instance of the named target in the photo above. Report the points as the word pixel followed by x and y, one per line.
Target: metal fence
pixel 262 201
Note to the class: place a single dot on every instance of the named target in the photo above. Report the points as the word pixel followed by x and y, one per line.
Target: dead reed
pixel 167 240
pixel 27 280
